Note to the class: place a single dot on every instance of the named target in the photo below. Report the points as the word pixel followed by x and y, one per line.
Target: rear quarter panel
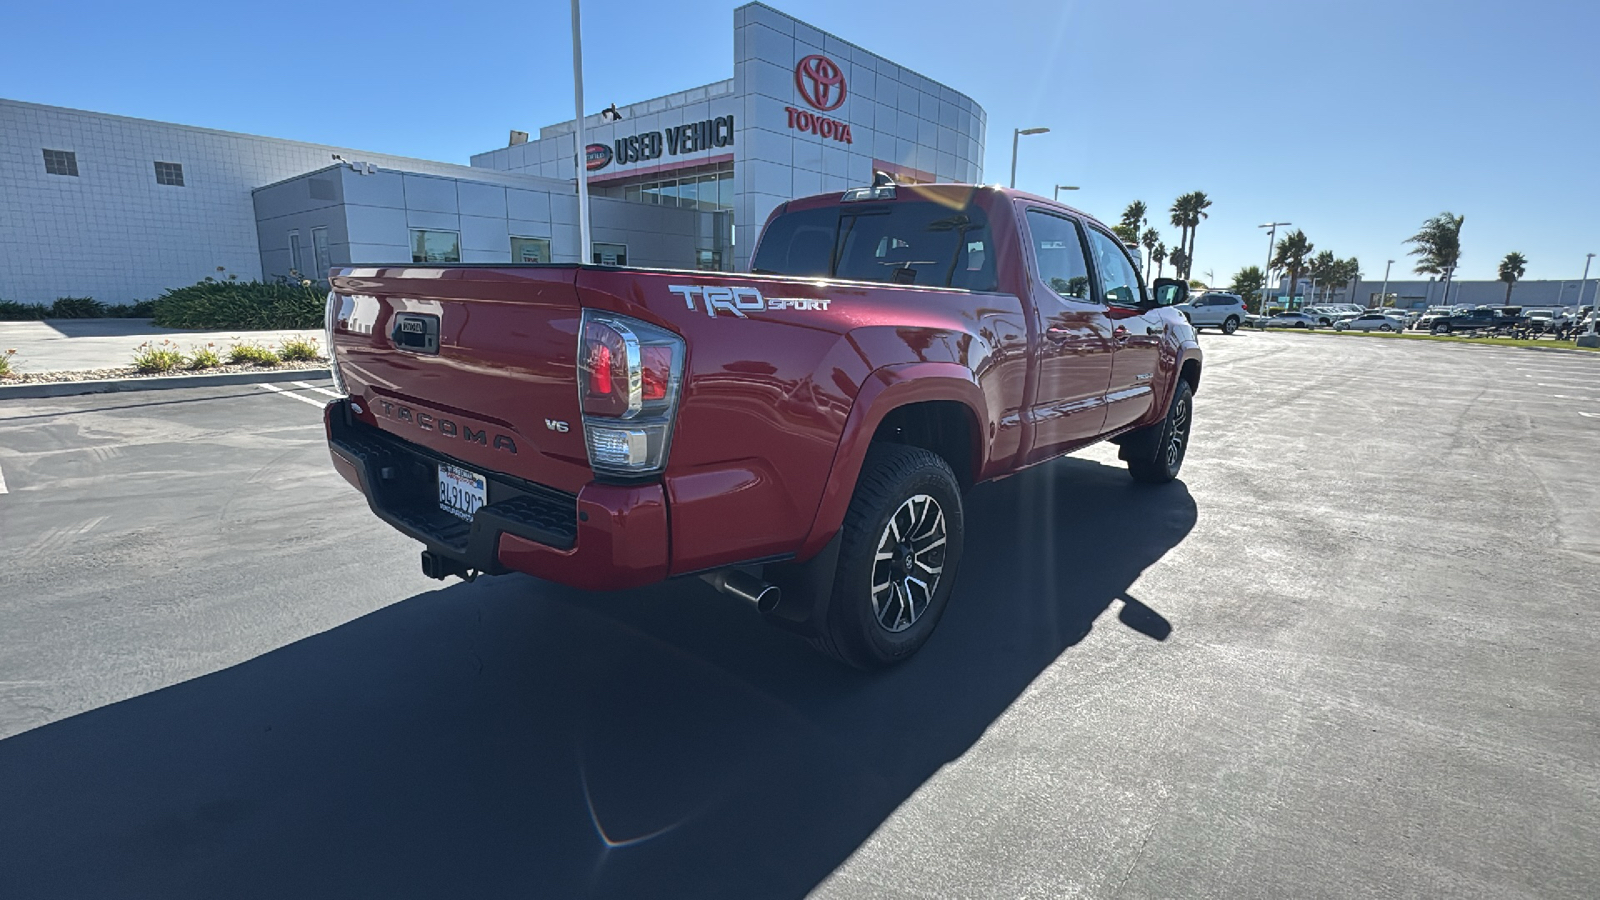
pixel 768 394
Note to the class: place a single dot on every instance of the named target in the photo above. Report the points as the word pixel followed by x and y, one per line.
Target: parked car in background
pixel 1292 320
pixel 1433 314
pixel 1548 321
pixel 1215 309
pixel 1372 321
pixel 1484 318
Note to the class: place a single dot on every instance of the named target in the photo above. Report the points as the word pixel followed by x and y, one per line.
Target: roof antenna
pixel 881 178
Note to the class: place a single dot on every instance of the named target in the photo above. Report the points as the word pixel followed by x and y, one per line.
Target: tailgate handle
pixel 416 332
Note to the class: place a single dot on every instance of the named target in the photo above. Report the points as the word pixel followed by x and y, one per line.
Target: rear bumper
pixel 606 537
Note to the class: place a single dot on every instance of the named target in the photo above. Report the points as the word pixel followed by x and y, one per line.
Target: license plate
pixel 461 492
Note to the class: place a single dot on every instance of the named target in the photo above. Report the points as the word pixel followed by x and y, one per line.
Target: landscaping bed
pixel 133 372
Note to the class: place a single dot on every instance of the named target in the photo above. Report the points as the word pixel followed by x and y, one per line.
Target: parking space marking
pixel 283 393
pixel 1589 415
pixel 2 482
pixel 311 387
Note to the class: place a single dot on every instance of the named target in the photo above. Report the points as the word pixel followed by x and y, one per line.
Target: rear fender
pixel 884 390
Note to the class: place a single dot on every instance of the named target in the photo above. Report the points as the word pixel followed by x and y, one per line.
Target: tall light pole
pixel 580 145
pixel 1384 296
pixel 1015 133
pixel 1272 235
pixel 1059 187
pixel 1592 339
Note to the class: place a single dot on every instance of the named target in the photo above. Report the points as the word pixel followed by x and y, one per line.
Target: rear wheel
pixel 1230 325
pixel 1384 328
pixel 1172 443
pixel 897 559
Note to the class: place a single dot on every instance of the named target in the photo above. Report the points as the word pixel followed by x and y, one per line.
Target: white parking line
pixel 2 482
pixel 283 393
pixel 1589 415
pixel 311 387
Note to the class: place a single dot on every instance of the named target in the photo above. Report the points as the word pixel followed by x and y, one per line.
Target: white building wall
pixel 113 233
pixel 369 218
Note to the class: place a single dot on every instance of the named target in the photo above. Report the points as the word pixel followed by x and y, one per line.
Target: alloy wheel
pixel 908 564
pixel 1180 433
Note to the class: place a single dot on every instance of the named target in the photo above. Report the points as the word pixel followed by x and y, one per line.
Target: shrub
pixel 77 308
pixel 160 357
pixel 251 354
pixel 11 311
pixel 143 309
pixel 6 362
pixel 298 349
pixel 253 305
pixel 205 357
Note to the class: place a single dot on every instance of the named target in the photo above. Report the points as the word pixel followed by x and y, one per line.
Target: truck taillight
pixel 629 374
pixel 330 323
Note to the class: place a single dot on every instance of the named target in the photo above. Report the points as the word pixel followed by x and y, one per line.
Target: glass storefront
pixel 708 188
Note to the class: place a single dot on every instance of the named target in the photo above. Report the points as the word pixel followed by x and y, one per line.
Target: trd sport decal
pixel 740 300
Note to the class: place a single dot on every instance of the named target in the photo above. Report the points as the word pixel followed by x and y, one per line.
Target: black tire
pixel 871 629
pixel 1230 325
pixel 1441 328
pixel 1172 444
pixel 1301 325
pixel 1384 328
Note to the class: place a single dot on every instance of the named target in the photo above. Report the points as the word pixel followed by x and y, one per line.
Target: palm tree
pixel 1349 272
pixel 1322 268
pixel 1180 264
pixel 1159 254
pixel 1291 257
pixel 1198 204
pixel 1512 268
pixel 1149 240
pixel 1180 221
pixel 1438 247
pixel 1133 216
pixel 1247 283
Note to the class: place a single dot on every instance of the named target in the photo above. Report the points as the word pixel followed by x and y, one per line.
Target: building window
pixel 708 188
pixel 709 260
pixel 297 263
pixel 610 254
pixel 61 162
pixel 530 250
pixel 435 246
pixel 169 173
pixel 319 247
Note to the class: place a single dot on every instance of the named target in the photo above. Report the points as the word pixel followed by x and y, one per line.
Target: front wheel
pixel 1171 444
pixel 897 559
pixel 1230 325
pixel 1441 328
pixel 1384 328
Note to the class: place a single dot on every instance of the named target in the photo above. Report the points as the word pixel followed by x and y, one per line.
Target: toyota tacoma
pixel 800 436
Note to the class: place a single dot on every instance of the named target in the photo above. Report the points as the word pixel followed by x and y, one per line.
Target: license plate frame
pixel 461 491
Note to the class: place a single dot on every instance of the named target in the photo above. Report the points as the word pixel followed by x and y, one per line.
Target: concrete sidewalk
pixel 64 345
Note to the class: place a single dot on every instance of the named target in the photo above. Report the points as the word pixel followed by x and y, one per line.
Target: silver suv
pixel 1214 309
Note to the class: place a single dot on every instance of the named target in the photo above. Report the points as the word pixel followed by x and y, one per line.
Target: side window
pixel 1118 280
pixel 1058 248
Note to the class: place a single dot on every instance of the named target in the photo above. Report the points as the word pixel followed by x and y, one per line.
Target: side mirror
pixel 1170 292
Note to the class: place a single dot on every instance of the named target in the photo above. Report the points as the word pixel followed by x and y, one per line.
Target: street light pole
pixel 1015 133
pixel 1384 296
pixel 1272 235
pixel 585 253
pixel 1592 339
pixel 1059 187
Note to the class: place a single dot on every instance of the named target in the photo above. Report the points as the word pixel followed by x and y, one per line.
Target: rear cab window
pixel 911 242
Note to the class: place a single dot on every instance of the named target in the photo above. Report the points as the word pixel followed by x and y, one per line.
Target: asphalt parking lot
pixel 1350 654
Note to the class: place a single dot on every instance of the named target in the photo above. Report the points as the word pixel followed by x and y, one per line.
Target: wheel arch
pixel 935 405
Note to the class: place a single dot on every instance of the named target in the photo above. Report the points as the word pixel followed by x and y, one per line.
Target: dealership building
pixel 121 209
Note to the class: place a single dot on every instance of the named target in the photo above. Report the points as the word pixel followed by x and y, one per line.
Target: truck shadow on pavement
pixel 514 738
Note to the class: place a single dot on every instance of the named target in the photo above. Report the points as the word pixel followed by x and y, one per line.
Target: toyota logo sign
pixel 821 82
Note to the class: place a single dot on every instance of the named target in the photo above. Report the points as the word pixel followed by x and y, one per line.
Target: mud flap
pixel 806 587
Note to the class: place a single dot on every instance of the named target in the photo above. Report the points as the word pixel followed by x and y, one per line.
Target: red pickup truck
pixel 799 436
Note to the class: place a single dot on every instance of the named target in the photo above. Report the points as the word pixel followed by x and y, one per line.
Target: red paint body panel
pixel 777 407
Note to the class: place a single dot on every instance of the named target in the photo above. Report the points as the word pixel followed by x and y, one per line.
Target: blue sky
pixel 1354 120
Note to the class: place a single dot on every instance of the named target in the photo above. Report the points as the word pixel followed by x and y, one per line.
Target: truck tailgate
pixel 425 352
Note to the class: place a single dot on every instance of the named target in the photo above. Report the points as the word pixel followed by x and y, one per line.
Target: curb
pixel 157 383
pixel 1569 351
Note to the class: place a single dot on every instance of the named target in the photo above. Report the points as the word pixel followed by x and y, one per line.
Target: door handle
pixel 1058 334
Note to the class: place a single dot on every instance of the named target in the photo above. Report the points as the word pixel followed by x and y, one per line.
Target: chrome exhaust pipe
pixel 746 587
